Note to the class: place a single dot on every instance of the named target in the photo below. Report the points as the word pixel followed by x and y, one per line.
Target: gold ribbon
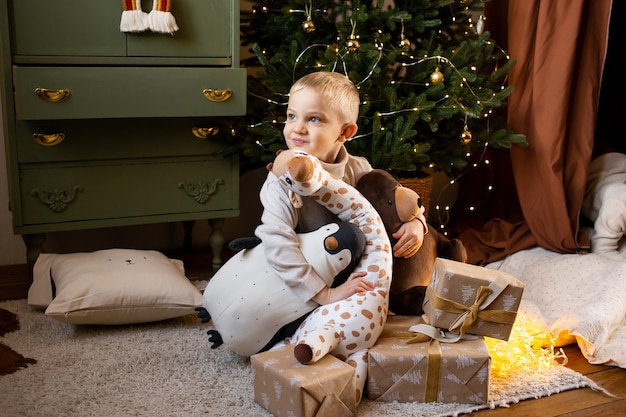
pixel 468 315
pixel 433 372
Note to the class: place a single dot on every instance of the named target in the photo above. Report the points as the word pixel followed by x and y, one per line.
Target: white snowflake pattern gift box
pixel 284 387
pixel 428 371
pixel 469 299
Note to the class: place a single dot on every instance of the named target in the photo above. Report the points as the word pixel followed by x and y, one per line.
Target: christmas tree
pixel 431 80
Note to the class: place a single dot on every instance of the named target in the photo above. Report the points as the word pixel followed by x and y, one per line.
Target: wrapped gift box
pixel 456 287
pixel 284 387
pixel 398 326
pixel 429 371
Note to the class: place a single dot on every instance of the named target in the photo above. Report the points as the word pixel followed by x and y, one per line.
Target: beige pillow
pixel 112 286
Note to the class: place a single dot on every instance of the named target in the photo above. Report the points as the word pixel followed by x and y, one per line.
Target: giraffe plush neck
pixel 346 328
pixel 304 176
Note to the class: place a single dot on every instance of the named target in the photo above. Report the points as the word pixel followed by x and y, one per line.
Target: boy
pixel 321 116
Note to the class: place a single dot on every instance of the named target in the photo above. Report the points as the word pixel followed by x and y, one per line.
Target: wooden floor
pixel 584 402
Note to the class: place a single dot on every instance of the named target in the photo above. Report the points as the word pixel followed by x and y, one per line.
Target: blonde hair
pixel 336 89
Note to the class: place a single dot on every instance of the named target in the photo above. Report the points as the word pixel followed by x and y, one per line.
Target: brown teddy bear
pixel 395 205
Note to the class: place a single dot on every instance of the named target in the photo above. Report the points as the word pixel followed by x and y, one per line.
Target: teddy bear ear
pixel 296 200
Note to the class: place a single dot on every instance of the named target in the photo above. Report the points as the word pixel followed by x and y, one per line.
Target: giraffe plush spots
pixel 347 328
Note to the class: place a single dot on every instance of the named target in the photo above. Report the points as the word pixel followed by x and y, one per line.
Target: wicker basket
pixel 423 186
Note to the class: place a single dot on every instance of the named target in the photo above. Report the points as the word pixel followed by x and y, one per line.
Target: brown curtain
pixel 560 48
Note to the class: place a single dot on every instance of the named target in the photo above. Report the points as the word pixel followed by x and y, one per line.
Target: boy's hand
pixel 355 283
pixel 410 238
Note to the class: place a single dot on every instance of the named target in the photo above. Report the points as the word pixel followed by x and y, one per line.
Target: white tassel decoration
pixel 133 18
pixel 160 19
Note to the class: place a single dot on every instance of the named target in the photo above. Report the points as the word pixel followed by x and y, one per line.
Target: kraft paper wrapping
pixel 429 371
pixel 398 326
pixel 285 387
pixel 461 284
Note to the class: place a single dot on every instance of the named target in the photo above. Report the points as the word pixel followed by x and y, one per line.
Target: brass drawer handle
pixel 48 140
pixel 203 132
pixel 52 96
pixel 217 96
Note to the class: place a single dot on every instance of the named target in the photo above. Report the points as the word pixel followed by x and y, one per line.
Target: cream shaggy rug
pixel 168 369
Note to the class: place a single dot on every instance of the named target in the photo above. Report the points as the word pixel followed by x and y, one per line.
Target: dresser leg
pixel 216 241
pixel 34 246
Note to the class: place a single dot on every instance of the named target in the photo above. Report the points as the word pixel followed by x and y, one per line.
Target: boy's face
pixel 313 127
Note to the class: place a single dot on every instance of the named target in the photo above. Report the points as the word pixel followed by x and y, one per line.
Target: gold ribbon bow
pixel 468 315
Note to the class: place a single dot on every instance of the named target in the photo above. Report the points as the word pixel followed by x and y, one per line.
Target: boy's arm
pixel 282 249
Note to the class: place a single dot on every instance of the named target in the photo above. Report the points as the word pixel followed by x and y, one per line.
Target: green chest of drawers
pixel 104 128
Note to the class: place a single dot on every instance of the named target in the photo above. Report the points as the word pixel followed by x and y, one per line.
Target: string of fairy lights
pixel 351 45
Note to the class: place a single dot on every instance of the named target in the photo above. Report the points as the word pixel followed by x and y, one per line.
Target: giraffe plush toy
pixel 346 328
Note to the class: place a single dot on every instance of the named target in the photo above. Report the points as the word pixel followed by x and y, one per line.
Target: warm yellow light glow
pixel 525 351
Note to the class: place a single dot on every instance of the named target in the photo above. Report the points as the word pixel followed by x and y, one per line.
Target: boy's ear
pixel 349 130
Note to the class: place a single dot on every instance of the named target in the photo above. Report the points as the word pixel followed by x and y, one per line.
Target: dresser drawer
pixel 126 189
pixel 205 31
pixel 66 27
pixel 127 92
pixel 92 28
pixel 90 140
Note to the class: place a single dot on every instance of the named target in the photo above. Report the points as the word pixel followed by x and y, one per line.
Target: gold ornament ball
pixel 353 45
pixel 404 43
pixel 308 26
pixel 436 77
pixel 466 137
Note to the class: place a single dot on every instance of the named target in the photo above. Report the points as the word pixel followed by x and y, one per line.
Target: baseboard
pixel 15 280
